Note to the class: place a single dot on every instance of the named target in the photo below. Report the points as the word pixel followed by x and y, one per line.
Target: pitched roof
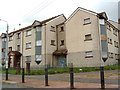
pixel 61 23
pixel 100 15
pixel 22 29
pixel 109 23
pixel 47 20
pixel 3 35
pixel 41 22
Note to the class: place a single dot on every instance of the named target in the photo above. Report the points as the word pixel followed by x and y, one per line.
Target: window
pixel 62 29
pixel 3 39
pixel 62 42
pixel 10 38
pixel 18 47
pixel 28 58
pixel 116 44
pixel 38 29
pixel 87 21
pixel 102 21
pixel 38 57
pixel 89 54
pixel 38 50
pixel 3 49
pixel 108 27
pixel 116 56
pixel 114 31
pixel 52 28
pixel 110 41
pixel 28 32
pixel 88 37
pixel 28 45
pixel 39 43
pixel 53 42
pixel 103 29
pixel 18 35
pixel 110 55
pixel 10 48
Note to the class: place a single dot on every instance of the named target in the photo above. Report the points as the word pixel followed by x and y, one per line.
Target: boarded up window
pixel 103 29
pixel 88 37
pixel 28 58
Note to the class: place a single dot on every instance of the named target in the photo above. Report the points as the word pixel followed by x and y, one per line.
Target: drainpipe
pixel 22 46
pixel 56 37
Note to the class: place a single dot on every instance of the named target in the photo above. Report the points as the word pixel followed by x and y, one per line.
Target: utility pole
pixel 119 41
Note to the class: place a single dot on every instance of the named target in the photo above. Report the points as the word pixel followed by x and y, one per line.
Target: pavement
pixel 82 80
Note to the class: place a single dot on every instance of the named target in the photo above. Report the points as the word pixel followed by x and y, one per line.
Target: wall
pixel 75 40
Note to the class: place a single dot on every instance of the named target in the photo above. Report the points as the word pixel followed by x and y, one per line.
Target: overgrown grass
pixel 65 70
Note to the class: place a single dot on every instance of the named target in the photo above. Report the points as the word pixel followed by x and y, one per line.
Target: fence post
pixel 46 76
pixel 6 73
pixel 102 77
pixel 23 78
pixel 71 76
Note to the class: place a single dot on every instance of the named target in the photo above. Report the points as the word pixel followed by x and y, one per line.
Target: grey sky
pixel 24 12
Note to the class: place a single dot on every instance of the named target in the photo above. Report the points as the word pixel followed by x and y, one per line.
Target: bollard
pixel 46 76
pixel 6 73
pixel 23 78
pixel 102 77
pixel 71 77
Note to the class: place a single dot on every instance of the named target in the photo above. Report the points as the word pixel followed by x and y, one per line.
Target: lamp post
pixel 6 54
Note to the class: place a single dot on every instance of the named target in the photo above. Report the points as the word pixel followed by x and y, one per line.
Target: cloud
pixel 26 11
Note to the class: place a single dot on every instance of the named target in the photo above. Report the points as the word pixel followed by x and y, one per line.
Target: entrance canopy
pixel 60 52
pixel 16 59
pixel 14 53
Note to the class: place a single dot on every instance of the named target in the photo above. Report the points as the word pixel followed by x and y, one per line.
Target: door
pixel 62 60
pixel 28 68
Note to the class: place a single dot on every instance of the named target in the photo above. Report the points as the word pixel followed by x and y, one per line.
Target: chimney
pixel 119 21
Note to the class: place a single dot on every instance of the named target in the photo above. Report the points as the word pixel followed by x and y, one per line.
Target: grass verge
pixel 64 70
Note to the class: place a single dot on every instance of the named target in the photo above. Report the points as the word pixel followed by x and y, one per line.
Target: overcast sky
pixel 24 12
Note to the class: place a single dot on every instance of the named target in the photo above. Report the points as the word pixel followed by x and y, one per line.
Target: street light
pixel 6 54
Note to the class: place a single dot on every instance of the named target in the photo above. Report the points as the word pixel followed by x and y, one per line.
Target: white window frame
pixel 102 21
pixel 89 53
pixel 28 32
pixel 39 43
pixel 10 38
pixel 3 39
pixel 38 58
pixel 28 45
pixel 87 20
pixel 52 28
